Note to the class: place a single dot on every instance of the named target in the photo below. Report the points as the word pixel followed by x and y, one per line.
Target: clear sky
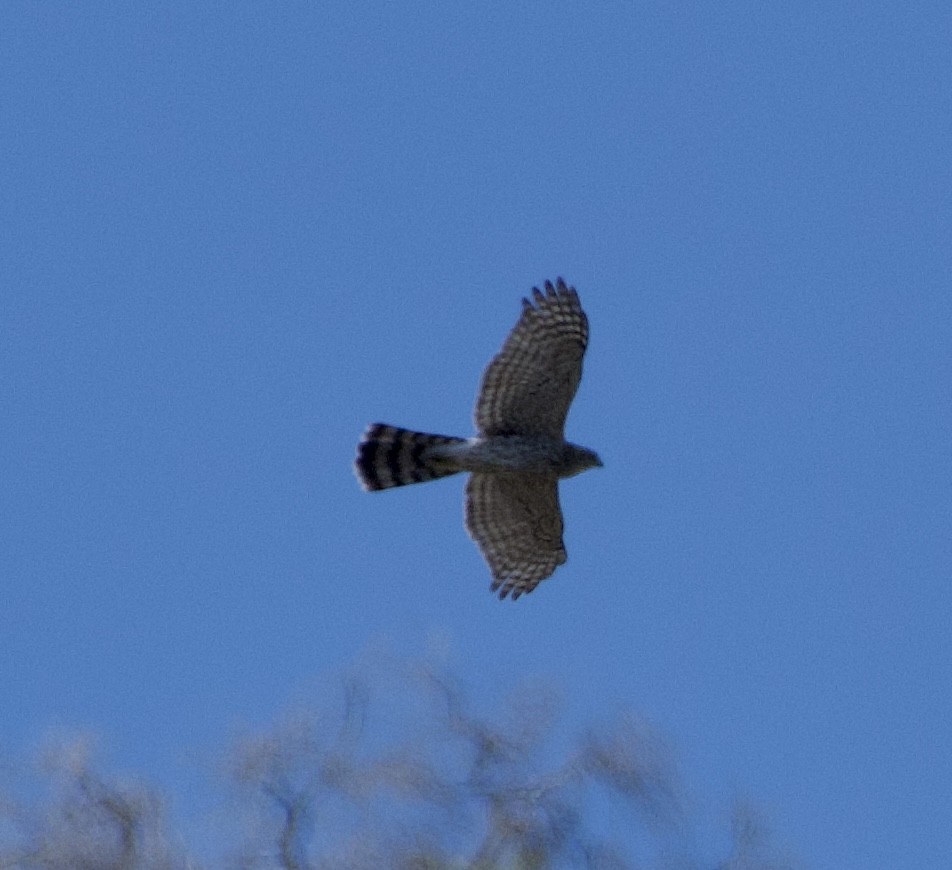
pixel 232 234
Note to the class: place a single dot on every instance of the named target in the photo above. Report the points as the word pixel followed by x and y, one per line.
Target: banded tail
pixel 388 456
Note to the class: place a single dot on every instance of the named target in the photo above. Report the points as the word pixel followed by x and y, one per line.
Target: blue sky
pixel 233 234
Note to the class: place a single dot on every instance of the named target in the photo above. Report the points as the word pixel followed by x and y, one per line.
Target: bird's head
pixel 581 459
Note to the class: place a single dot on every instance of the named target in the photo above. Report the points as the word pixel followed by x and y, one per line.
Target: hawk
pixel 519 452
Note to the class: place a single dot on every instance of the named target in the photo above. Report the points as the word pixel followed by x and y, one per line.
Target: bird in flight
pixel 519 452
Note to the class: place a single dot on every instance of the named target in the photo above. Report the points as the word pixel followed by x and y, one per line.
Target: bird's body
pixel 499 454
pixel 421 454
pixel 519 453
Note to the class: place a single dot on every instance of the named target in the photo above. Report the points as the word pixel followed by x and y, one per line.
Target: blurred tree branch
pixel 404 776
pixel 90 823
